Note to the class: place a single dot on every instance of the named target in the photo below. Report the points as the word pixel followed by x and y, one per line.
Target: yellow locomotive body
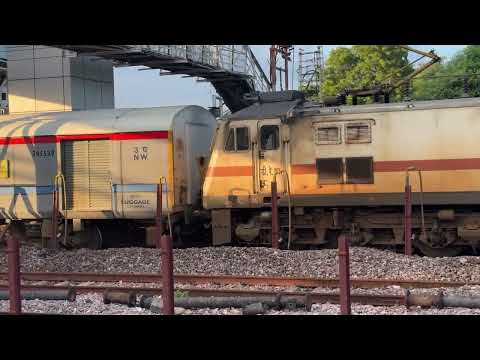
pixel 345 170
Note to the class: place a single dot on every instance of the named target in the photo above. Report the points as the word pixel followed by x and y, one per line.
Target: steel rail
pixel 234 279
pixel 376 300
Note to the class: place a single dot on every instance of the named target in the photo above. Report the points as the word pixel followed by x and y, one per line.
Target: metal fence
pixel 232 58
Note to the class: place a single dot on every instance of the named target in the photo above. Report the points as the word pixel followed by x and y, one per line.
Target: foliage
pixel 364 66
pixel 450 80
pixel 368 66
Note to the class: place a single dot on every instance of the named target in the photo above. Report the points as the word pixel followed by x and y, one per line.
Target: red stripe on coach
pixel 45 139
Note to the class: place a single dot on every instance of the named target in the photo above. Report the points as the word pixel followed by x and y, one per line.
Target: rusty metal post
pixel 408 217
pixel 158 216
pixel 344 275
pixel 14 284
pixel 167 276
pixel 275 229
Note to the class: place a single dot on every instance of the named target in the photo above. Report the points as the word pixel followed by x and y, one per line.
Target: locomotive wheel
pixel 438 252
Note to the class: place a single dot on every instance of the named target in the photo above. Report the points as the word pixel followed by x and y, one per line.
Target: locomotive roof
pixel 99 121
pixel 298 108
pixel 315 109
pixel 264 110
pixel 269 105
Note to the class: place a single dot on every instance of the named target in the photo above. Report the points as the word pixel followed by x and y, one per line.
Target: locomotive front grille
pixel 86 167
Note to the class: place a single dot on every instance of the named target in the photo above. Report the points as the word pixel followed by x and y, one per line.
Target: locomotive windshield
pixel 269 137
pixel 237 139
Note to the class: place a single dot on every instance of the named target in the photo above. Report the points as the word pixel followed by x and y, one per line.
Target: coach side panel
pixel 28 166
pixel 143 162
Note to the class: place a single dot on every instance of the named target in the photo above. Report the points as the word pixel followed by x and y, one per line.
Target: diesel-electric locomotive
pixel 343 169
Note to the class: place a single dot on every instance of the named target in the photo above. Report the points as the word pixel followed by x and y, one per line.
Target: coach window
pixel 269 137
pixel 359 170
pixel 358 133
pixel 238 139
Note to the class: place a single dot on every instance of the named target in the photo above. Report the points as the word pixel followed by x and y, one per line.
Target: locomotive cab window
pixel 238 139
pixel 358 133
pixel 359 170
pixel 269 137
pixel 330 171
pixel 327 135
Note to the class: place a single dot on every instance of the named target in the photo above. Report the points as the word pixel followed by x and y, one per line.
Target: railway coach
pixel 343 169
pixel 111 162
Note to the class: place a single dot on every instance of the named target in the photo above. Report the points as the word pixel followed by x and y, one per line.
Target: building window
pixel 269 137
pixel 330 171
pixel 328 135
pixel 359 170
pixel 238 139
pixel 4 96
pixel 358 134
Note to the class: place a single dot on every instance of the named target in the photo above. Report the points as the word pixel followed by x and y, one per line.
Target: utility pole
pixel 310 70
pixel 273 67
pixel 285 51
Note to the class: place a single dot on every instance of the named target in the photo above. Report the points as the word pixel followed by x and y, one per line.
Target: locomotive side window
pixel 330 171
pixel 237 139
pixel 328 135
pixel 269 137
pixel 358 134
pixel 359 170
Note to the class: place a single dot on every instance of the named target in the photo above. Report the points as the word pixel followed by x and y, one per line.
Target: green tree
pixel 451 79
pixel 339 64
pixel 423 86
pixel 364 66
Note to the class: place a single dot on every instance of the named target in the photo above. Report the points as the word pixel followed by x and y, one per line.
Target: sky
pixel 145 88
pixel 134 88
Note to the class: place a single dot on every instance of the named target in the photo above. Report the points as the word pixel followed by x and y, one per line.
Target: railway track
pixel 235 280
pixel 376 300
pixel 87 285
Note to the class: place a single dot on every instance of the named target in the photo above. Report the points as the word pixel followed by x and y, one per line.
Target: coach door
pixel 86 166
pixel 270 155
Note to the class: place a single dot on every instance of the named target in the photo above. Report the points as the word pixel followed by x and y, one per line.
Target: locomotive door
pixel 270 155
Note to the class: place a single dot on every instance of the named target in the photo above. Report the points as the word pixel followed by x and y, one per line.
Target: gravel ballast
pixel 365 262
